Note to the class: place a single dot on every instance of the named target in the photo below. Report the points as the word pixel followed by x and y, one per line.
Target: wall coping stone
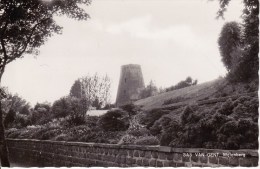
pixel 247 152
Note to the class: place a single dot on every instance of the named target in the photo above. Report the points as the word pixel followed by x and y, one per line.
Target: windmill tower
pixel 130 84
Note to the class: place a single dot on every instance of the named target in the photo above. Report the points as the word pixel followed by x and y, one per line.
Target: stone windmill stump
pixel 130 84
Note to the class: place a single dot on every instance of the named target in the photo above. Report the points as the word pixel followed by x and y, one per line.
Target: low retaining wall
pixel 57 153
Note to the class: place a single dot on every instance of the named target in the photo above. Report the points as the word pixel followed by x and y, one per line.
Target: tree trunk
pixel 3 147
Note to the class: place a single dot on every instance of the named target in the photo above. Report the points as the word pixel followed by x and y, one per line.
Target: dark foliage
pixel 232 125
pixel 170 131
pixel 70 106
pixel 239 47
pixel 131 109
pixel 60 108
pixel 77 89
pixel 114 120
pixel 147 140
pixel 149 90
pixel 174 100
pixel 149 117
pixel 10 117
pixel 230 40
pixel 108 106
pixel 41 113
pixel 226 108
pixel 182 84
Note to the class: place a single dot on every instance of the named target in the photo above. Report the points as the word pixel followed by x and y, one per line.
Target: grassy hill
pixel 187 95
pixel 220 115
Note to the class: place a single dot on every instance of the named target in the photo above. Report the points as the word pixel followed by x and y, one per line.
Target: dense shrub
pixel 21 121
pixel 147 140
pixel 149 117
pixel 99 136
pixel 12 132
pixel 226 108
pixel 127 139
pixel 186 115
pixel 230 125
pixel 159 125
pixel 174 100
pixel 246 107
pixel 50 134
pixel 138 132
pixel 61 108
pixel 108 106
pixel 10 117
pixel 91 121
pixel 62 137
pixel 114 120
pixel 170 132
pixel 182 84
pixel 41 113
pixel 135 131
pixel 149 90
pixel 131 109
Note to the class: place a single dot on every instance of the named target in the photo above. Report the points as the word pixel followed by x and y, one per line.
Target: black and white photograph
pixel 129 83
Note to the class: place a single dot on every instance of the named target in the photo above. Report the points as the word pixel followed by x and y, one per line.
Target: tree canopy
pixel 25 25
pixel 96 89
pixel 149 90
pixel 230 39
pixel 246 67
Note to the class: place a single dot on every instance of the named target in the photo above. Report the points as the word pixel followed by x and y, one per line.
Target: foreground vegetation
pixel 228 124
pixel 174 118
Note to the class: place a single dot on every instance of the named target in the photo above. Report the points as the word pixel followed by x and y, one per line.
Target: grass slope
pixel 187 95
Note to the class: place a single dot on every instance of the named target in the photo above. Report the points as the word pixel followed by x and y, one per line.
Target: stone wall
pixel 57 153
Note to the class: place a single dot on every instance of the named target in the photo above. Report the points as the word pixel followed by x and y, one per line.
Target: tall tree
pixel 229 40
pixel 149 90
pixel 247 66
pixel 76 89
pixel 25 25
pixel 95 89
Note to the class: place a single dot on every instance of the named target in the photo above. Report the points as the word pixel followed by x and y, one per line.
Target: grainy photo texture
pixel 127 83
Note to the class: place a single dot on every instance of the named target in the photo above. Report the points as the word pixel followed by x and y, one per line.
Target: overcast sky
pixel 170 39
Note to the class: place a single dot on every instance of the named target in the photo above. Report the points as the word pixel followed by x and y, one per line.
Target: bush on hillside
pixel 160 125
pixel 114 120
pixel 61 108
pixel 21 121
pixel 41 113
pixel 189 115
pixel 182 84
pixel 174 100
pixel 138 132
pixel 127 139
pixel 229 125
pixel 149 90
pixel 170 132
pixel 135 131
pixel 226 108
pixel 91 121
pixel 149 117
pixel 147 140
pixel 131 109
